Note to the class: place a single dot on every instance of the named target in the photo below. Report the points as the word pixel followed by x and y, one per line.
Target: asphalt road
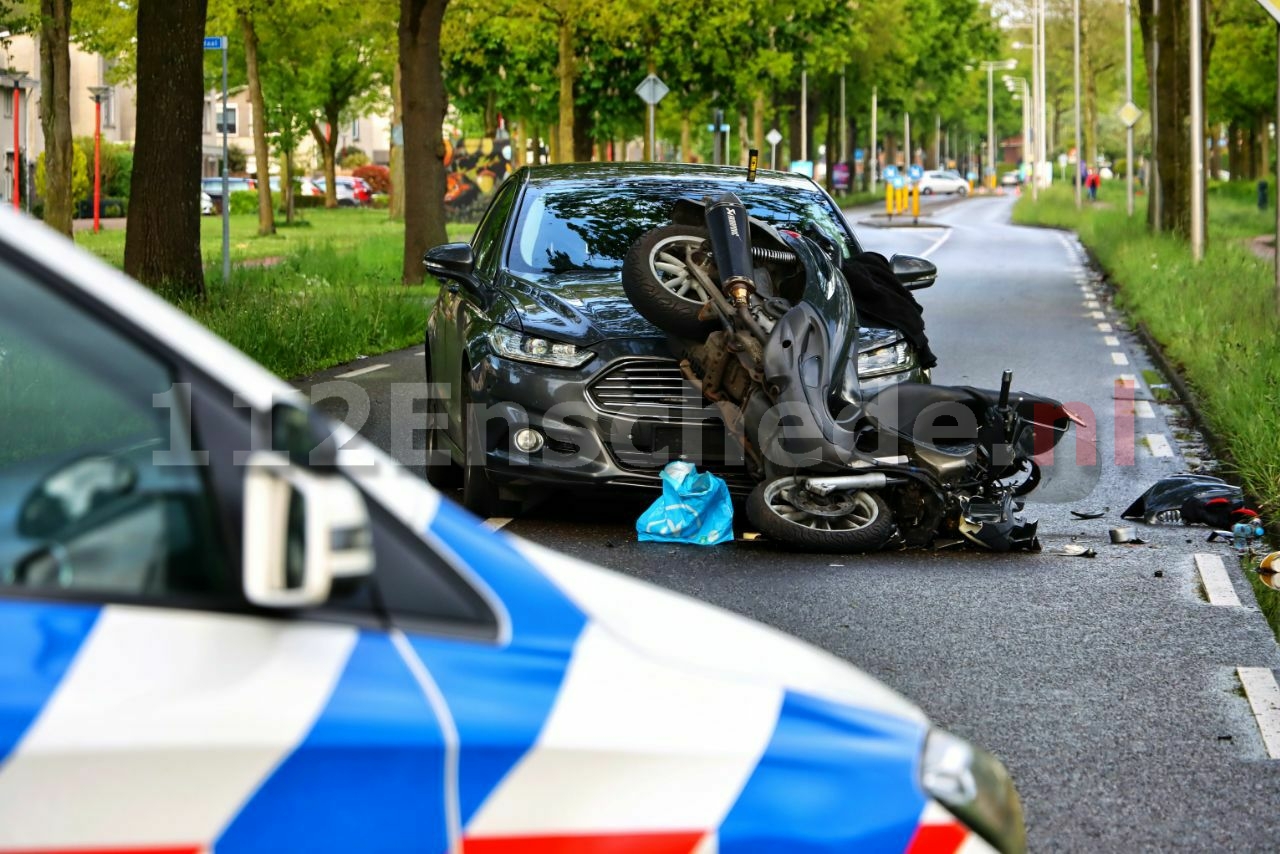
pixel 1107 685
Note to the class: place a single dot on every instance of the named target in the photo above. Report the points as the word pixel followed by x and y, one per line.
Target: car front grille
pixel 655 388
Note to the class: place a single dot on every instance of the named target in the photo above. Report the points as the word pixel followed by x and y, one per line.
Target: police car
pixel 226 624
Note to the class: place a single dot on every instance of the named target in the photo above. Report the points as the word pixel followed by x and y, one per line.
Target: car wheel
pixel 963 191
pixel 785 511
pixel 479 494
pixel 658 278
pixel 927 191
pixel 442 473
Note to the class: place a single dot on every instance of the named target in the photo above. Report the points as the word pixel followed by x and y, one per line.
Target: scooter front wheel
pixel 658 278
pixel 784 510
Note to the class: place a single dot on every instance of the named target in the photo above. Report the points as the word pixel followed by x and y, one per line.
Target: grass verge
pixel 1215 321
pixel 333 292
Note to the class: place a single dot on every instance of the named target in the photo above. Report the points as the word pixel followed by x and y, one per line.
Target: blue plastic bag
pixel 694 508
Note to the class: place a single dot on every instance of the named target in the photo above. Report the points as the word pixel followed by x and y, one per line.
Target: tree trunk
pixel 286 183
pixel 582 133
pixel 745 144
pixel 1168 70
pixel 1233 152
pixel 833 139
pixel 757 128
pixel 686 138
pixel 55 112
pixel 422 88
pixel 1264 146
pixel 567 71
pixel 395 205
pixel 266 213
pixel 329 152
pixel 890 149
pixel 162 238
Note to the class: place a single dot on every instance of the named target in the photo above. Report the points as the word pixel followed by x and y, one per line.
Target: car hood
pixel 579 308
pixel 689 634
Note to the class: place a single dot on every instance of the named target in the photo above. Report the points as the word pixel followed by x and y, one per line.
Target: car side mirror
pixel 914 273
pixel 302 530
pixel 453 261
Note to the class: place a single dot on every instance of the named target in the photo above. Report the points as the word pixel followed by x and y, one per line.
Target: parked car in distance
pixel 219 632
pixel 350 191
pixel 943 181
pixel 301 186
pixel 1010 179
pixel 213 186
pixel 534 318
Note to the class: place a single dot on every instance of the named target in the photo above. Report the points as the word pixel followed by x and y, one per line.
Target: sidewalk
pixel 107 224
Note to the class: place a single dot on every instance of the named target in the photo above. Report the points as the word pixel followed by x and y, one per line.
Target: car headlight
pixel 886 360
pixel 512 345
pixel 975 788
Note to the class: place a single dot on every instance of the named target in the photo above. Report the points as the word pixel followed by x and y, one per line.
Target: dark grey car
pixel 543 372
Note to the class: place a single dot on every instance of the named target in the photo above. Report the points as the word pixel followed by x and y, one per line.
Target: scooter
pixel 773 346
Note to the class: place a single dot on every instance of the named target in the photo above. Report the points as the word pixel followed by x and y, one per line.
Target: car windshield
pixel 568 226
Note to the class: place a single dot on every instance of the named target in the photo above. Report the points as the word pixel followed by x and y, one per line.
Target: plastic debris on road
pixel 695 507
pixel 1193 499
pixel 1077 551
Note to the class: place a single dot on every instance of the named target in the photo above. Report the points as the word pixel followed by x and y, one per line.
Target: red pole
pixel 17 170
pixel 97 161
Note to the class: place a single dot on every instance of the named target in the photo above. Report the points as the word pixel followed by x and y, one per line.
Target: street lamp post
pixel 1079 143
pixel 990 65
pixel 1024 94
pixel 97 93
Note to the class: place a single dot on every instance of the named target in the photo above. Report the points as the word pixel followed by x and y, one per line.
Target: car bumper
pixel 616 421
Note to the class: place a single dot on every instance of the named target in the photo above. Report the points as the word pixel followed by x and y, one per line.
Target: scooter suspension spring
pixel 777 256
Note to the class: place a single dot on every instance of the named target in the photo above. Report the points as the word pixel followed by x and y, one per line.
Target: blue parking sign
pixel 890 172
pixel 898 181
pixel 915 172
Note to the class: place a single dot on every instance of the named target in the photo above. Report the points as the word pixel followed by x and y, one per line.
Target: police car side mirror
pixel 302 530
pixel 913 272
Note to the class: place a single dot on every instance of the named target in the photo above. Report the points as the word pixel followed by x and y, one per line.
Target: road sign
pixel 723 128
pixel 915 172
pixel 652 90
pixel 971 175
pixel 215 42
pixel 898 181
pixel 889 173
pixel 858 155
pixel 1272 9
pixel 773 137
pixel 1130 113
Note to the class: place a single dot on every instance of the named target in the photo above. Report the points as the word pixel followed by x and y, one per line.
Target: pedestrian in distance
pixel 1091 183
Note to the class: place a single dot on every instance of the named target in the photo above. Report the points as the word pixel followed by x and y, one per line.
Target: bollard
pixel 1262 194
pixel 915 203
pixel 888 199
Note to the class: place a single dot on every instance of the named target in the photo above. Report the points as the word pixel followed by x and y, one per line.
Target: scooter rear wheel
pixel 844 522
pixel 657 278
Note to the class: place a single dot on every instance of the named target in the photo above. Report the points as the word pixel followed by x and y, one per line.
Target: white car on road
pixel 943 181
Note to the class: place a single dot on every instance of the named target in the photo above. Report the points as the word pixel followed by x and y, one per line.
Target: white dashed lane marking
pixel 360 372
pixel 1097 315
pixel 1104 327
pixel 1217 584
pixel 1159 445
pixel 1119 358
pixel 1142 409
pixel 1264 698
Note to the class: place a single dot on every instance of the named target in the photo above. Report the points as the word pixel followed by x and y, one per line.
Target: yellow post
pixel 915 201
pixel 888 198
pixel 902 199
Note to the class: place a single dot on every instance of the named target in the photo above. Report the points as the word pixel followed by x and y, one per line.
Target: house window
pixel 355 130
pixel 230 118
pixel 8 103
pixel 109 110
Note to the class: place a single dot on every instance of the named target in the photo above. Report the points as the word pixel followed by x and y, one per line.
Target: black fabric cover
pixel 883 301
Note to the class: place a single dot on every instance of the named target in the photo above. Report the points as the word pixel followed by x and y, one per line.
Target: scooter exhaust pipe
pixel 731 246
pixel 826 485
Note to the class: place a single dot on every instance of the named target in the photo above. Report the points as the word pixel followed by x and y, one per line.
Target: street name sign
pixel 215 42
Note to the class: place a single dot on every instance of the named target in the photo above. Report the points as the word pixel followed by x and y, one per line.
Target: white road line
pixel 1129 378
pixel 1217 584
pixel 937 244
pixel 1142 409
pixel 1264 698
pixel 1159 445
pixel 1104 327
pixel 1092 303
pixel 1119 358
pixel 1097 315
pixel 420 353
pixel 1111 341
pixel 493 523
pixel 349 374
